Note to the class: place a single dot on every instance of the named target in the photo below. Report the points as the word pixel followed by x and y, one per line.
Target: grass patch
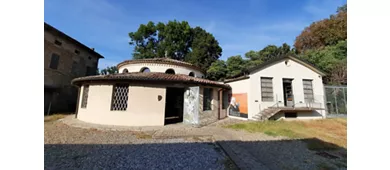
pixel 54 117
pixel 332 133
pixel 142 135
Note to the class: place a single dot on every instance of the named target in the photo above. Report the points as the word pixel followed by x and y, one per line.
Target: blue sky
pixel 239 26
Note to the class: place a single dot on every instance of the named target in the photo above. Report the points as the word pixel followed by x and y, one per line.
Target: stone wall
pixel 208 116
pixel 191 105
pixel 63 96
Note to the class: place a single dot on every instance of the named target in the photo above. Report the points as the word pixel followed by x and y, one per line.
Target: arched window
pixel 170 71
pixel 192 74
pixel 145 70
pixel 125 70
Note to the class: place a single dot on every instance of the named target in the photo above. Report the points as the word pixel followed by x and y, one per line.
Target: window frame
pixel 170 69
pixel 53 65
pixel 74 68
pixel 84 98
pixel 143 70
pixel 308 91
pixel 269 90
pixel 113 106
pixel 58 42
pixel 225 99
pixel 207 105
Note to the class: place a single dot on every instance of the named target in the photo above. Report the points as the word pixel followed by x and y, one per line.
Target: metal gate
pixel 336 99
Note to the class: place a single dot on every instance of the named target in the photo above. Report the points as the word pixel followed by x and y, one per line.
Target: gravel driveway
pixel 75 148
pixel 73 144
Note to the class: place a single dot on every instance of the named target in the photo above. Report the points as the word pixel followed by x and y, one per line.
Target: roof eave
pixel 296 59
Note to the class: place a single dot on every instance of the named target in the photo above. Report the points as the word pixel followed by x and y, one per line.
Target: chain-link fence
pixel 336 99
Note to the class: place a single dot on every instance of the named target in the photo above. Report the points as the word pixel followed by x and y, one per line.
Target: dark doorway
pixel 290 115
pixel 288 93
pixel 174 105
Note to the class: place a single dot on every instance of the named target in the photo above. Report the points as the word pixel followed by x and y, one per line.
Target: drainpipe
pixel 219 103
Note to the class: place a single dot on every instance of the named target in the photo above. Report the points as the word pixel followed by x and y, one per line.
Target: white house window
pixel 267 93
pixel 170 71
pixel 125 70
pixel 192 74
pixel 145 70
pixel 120 96
pixel 84 99
pixel 207 97
pixel 308 90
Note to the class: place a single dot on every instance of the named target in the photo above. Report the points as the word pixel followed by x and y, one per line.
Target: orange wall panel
pixel 242 99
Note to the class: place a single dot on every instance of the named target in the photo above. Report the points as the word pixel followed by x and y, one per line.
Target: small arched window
pixel 170 71
pixel 125 70
pixel 192 74
pixel 145 70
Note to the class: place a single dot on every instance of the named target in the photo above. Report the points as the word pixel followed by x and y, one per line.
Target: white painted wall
pixel 154 67
pixel 279 71
pixel 241 86
pixel 144 109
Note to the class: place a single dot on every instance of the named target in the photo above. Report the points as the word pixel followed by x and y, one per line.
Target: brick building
pixel 65 59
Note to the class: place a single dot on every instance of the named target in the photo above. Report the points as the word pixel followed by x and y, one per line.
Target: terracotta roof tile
pixel 160 61
pixel 152 77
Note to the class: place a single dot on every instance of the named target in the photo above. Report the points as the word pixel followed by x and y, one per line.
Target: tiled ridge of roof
pixel 151 76
pixel 161 61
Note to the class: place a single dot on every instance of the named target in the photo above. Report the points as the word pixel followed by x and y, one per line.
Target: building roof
pixel 151 77
pixel 291 57
pixel 67 37
pixel 236 79
pixel 160 61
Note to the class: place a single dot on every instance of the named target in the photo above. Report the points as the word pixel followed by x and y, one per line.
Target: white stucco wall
pixel 160 68
pixel 278 71
pixel 144 109
pixel 241 86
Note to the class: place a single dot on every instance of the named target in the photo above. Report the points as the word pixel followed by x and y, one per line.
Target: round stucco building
pixel 151 92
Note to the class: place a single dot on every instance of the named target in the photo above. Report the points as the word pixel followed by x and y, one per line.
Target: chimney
pixel 93 49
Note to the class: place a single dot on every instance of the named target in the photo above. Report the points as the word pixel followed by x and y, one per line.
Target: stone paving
pixel 247 150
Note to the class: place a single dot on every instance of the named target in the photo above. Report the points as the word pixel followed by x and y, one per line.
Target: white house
pixel 285 87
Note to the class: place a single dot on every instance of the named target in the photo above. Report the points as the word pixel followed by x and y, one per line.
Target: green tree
pixel 109 70
pixel 235 65
pixel 176 40
pixel 329 59
pixel 267 53
pixel 217 70
pixel 324 32
pixel 205 49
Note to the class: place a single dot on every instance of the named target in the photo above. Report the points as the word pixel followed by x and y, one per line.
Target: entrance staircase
pixel 266 114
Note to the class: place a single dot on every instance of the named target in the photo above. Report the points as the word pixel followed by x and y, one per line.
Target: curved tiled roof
pixel 160 61
pixel 152 77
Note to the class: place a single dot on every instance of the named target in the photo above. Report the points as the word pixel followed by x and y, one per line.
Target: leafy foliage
pixel 324 32
pixel 176 40
pixel 332 60
pixel 109 70
pixel 235 65
pixel 217 70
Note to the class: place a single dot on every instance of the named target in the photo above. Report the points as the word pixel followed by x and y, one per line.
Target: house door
pixel 174 105
pixel 288 93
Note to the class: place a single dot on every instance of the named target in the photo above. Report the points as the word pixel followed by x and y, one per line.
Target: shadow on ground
pixel 283 154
